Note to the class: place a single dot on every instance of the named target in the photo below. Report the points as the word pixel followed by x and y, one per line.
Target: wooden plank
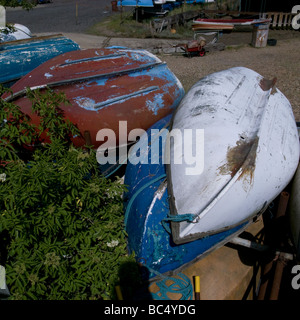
pixel 280 20
pixel 290 17
pixel 285 18
pixel 275 18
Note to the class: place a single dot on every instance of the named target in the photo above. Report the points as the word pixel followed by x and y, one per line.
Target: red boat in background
pixel 225 24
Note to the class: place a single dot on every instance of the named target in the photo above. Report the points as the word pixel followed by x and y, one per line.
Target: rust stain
pixel 243 155
pixel 266 84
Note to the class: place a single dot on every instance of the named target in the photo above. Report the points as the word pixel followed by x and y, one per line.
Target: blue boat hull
pixel 17 58
pixel 147 208
pixel 134 3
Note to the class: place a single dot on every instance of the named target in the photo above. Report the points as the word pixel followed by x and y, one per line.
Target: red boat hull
pixel 105 86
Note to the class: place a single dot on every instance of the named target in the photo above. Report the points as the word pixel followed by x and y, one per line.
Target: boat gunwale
pixel 32 39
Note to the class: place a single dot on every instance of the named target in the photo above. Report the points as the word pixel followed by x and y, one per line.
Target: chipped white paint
pixel 251 151
pixel 85 102
pixel 48 75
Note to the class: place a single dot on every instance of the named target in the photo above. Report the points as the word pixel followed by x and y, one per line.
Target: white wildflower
pixel 112 244
pixel 2 177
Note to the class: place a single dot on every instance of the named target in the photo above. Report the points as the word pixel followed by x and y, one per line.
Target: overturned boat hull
pixel 19 57
pixel 105 87
pixel 198 191
pixel 147 213
pixel 226 24
pixel 14 32
pixel 248 155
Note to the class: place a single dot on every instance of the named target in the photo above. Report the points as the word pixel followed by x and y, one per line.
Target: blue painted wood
pixel 17 58
pixel 148 234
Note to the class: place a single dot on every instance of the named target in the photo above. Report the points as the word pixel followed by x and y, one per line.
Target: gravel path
pixel 281 61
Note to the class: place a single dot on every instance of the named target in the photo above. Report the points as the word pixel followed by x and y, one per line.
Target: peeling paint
pixel 242 156
pixel 155 104
pixel 48 75
pixel 137 87
pixel 86 103
pixel 21 57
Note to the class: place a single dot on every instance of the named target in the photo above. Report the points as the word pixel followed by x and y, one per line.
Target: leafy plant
pixel 61 222
pixel 25 4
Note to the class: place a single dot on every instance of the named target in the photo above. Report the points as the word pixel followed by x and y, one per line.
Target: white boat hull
pixel 251 152
pixel 18 32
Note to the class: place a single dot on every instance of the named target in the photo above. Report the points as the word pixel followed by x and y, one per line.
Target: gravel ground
pixel 281 61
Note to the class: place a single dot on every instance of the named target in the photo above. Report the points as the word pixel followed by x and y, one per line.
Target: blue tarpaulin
pixel 134 3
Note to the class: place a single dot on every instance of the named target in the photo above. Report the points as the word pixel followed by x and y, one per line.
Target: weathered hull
pixel 19 57
pixel 147 211
pixel 104 87
pixel 249 153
